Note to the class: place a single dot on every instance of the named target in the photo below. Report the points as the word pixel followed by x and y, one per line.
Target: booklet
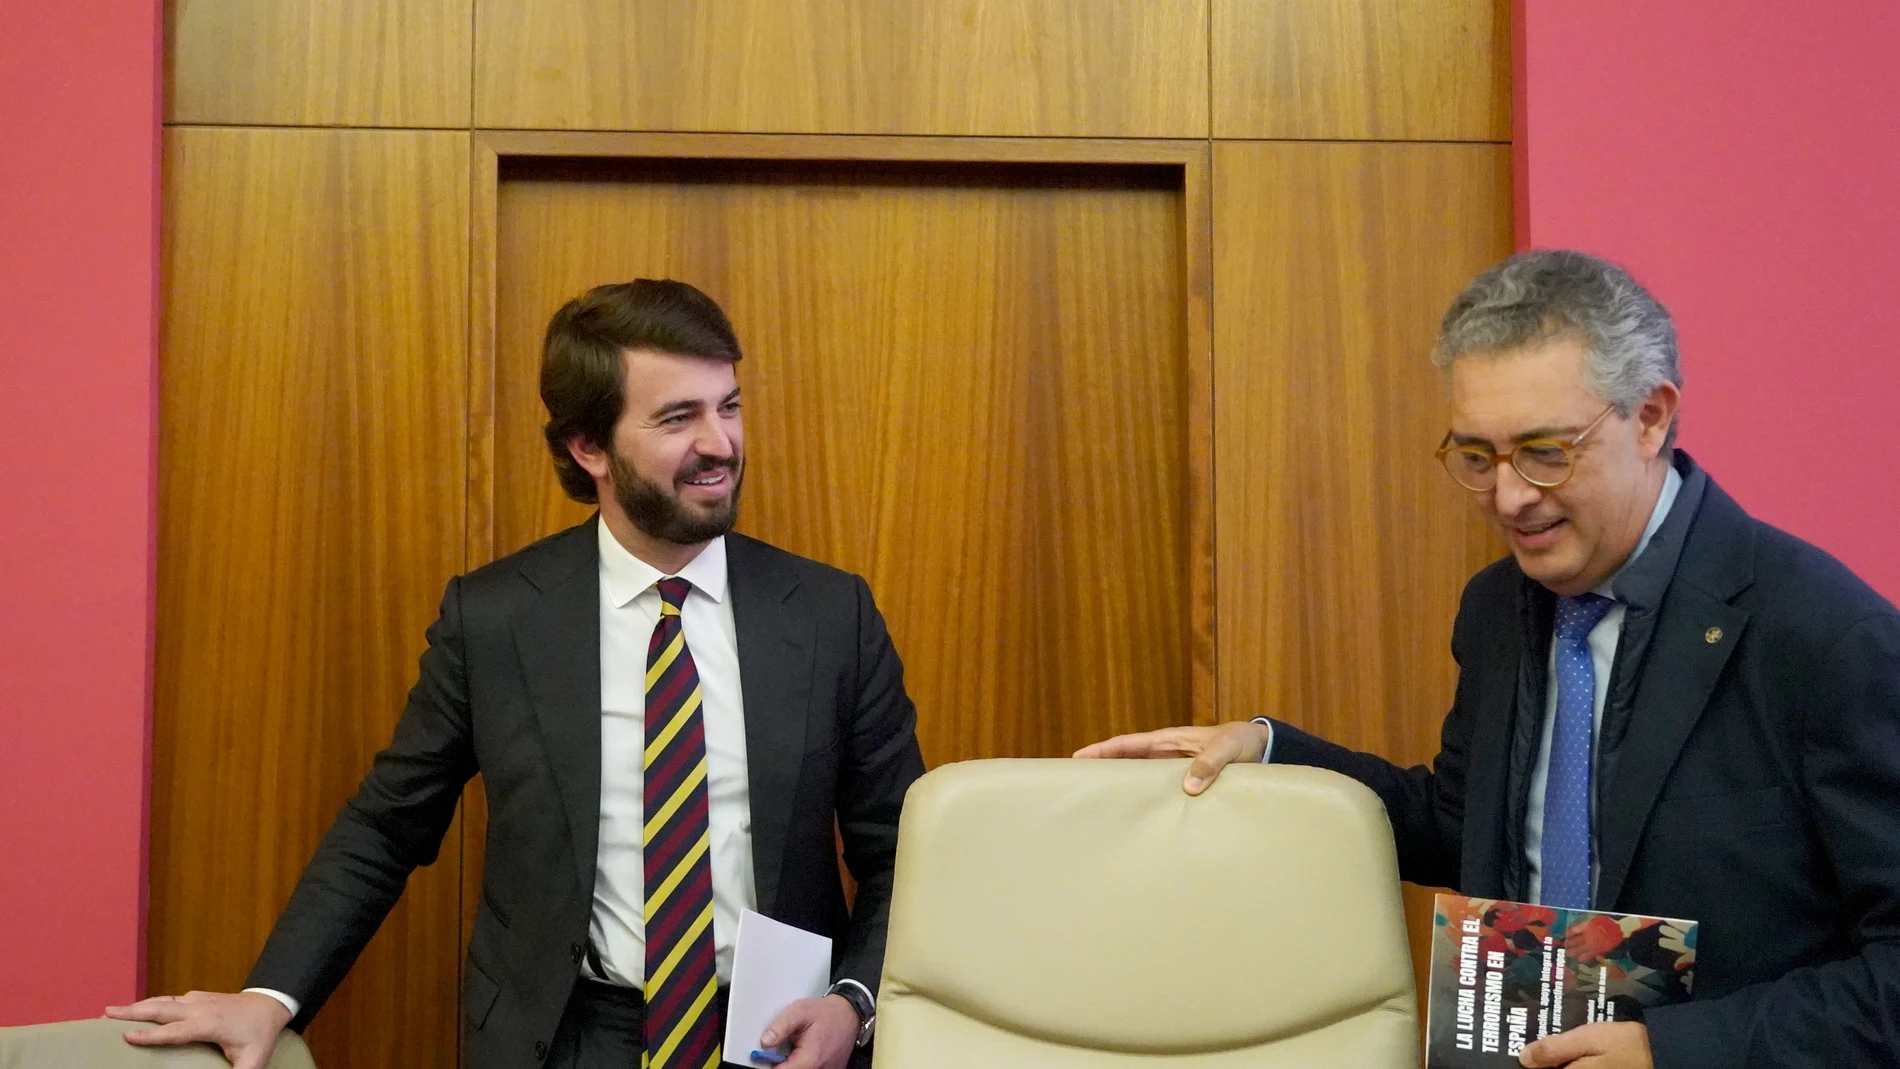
pixel 1506 974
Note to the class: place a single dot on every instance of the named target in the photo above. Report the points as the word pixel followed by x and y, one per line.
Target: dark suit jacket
pixel 510 687
pixel 1754 786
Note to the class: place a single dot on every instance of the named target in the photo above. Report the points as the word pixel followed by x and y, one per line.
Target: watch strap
pixel 861 1002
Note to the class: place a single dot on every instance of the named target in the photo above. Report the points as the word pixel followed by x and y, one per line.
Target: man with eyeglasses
pixel 1664 706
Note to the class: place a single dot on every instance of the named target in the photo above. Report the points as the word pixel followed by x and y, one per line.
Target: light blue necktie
pixel 1566 850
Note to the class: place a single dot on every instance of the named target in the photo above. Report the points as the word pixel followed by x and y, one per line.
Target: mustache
pixel 707 465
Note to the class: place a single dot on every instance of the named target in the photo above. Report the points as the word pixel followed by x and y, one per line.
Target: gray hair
pixel 1539 295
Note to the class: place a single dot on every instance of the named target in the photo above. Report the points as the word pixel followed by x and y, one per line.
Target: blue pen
pixel 769 1057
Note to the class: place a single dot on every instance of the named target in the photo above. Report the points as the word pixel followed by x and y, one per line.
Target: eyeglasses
pixel 1543 462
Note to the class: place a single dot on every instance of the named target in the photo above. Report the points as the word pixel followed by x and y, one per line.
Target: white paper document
pixel 773 966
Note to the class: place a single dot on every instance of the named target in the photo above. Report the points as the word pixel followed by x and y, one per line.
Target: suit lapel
pixel 1490 837
pixel 1697 629
pixel 776 645
pixel 557 637
pixel 1486 842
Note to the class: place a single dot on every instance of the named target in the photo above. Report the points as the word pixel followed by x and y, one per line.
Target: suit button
pixel 577 952
pixel 540 1050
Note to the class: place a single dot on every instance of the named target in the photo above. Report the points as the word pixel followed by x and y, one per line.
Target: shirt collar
pixel 1671 488
pixel 625 576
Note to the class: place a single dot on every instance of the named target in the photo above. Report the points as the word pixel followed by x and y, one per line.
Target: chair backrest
pixel 1078 914
pixel 96 1044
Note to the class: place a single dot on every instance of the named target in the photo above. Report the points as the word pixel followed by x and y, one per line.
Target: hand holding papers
pixel 773 966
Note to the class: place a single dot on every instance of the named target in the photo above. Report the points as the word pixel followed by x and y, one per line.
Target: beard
pixel 658 511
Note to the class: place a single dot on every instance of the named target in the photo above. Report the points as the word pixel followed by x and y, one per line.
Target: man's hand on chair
pixel 244 1026
pixel 1211 748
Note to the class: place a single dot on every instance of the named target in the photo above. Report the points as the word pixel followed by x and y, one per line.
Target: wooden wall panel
pixel 1069 68
pixel 971 388
pixel 318 62
pixel 1341 546
pixel 311 507
pixel 974 388
pixel 1369 69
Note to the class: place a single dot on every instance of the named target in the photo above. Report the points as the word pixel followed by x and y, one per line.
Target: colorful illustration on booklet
pixel 1505 974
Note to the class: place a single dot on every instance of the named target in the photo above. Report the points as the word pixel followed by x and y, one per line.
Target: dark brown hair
pixel 583 381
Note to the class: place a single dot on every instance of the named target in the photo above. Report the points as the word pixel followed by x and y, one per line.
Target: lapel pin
pixel 1713 635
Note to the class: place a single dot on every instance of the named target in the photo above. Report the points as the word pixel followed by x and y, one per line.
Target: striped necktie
pixel 1565 864
pixel 682 1018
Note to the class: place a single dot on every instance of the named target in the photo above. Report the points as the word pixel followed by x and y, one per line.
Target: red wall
pixel 1742 158
pixel 78 357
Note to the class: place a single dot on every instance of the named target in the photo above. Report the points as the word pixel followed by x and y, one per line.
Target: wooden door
pixel 968 383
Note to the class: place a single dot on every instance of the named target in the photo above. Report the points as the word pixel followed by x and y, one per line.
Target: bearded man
pixel 670 721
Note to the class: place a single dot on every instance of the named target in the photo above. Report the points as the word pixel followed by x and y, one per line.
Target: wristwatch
pixel 860 999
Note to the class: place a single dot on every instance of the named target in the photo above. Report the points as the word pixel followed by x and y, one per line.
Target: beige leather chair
pixel 95 1044
pixel 1089 915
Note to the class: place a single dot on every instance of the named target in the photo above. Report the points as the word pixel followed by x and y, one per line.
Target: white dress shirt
pixel 629 609
pixel 1603 639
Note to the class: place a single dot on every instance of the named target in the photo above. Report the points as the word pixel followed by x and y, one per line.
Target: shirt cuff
pixel 867 992
pixel 290 1004
pixel 1266 755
